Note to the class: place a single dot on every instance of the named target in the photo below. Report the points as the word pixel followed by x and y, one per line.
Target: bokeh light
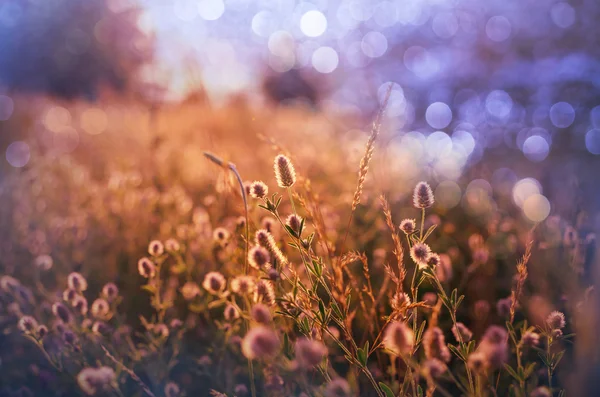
pixel 18 154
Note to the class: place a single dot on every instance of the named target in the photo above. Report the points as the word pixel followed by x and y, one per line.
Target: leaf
pixel 556 359
pixel 512 372
pixel 419 391
pixel 457 352
pixel 420 330
pixel 362 357
pixel 529 370
pixel 386 389
pixel 429 231
pixel 322 311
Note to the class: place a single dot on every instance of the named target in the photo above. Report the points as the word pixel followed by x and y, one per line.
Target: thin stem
pixel 243 190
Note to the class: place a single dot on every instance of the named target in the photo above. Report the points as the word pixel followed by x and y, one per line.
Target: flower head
pixel 100 308
pixel 69 295
pixel 556 320
pixel 156 248
pixel 261 314
pixel 28 324
pixel 408 226
pixel 231 312
pixel 221 236
pixel 434 260
pixel 266 240
pixel 434 368
pixel 260 343
pixel 214 283
pixel 503 307
pixel 190 290
pixel 294 222
pixel 172 245
pixel 77 282
pixel 461 332
pixel 423 195
pixel 338 387
pixel 110 291
pixel 259 257
pixel 399 338
pixel 242 285
pixel 309 353
pixel 435 345
pixel 420 253
pixel 258 190
pixel 400 301
pixel 80 304
pixel 284 171
pixel 94 380
pixel 264 292
pixel 530 339
pixel 146 268
pixel 61 312
pixel 44 262
pixel 172 390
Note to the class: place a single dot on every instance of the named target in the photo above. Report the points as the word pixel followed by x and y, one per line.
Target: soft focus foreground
pixel 262 237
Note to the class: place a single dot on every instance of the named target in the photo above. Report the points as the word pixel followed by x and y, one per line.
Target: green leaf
pixel 457 352
pixel 556 359
pixel 529 370
pixel 419 391
pixel 512 372
pixel 386 389
pixel 429 231
pixel 322 311
pixel 362 357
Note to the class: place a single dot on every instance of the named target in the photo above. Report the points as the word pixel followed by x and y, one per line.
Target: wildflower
pixel 156 248
pixel 221 236
pixel 433 261
pixel 172 245
pixel 266 240
pixel 461 332
pixel 258 257
pixel 80 304
pixel 268 223
pixel 110 291
pixel 77 282
pixel 44 262
pixel 294 222
pixel 400 301
pixel 242 285
pixel 494 346
pixel 264 292
pixel 284 171
pixel 556 320
pixel 309 353
pixel 172 390
pixel 94 380
pixel 399 338
pixel 495 334
pixel 503 307
pixel 423 195
pixel 42 331
pixel 240 222
pixel 146 268
pixel 420 253
pixel 530 339
pixel 260 343
pixel 100 308
pixel 61 312
pixel 435 345
pixel 240 390
pixel 434 368
pixel 28 324
pixel 273 274
pixel 408 226
pixel 338 387
pixel 541 391
pixel 190 290
pixel 69 295
pixel 231 312
pixel 214 283
pixel 477 361
pixel 258 190
pixel 100 328
pixel 261 314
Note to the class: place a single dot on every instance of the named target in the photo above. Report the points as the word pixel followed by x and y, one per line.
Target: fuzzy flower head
pixel 434 368
pixel 530 339
pixel 110 291
pixel 172 390
pixel 494 346
pixel 69 295
pixel 80 304
pixel 477 362
pixel 264 293
pixel 400 301
pixel 100 308
pixel 556 320
pixel 261 314
pixel 259 257
pixel 258 190
pixel 435 345
pixel 503 307
pixel 190 290
pixel 420 253
pixel 242 285
pixel 399 338
pixel 461 331
pixel 309 353
pixel 96 380
pixel 156 248
pixel 408 226
pixel 214 283
pixel 284 171
pixel 260 343
pixel 434 260
pixel 221 236
pixel 44 262
pixel 231 312
pixel 28 324
pixel 146 268
pixel 266 240
pixel 338 387
pixel 294 222
pixel 172 245
pixel 160 330
pixel 423 195
pixel 101 328
pixel 77 282
pixel 61 312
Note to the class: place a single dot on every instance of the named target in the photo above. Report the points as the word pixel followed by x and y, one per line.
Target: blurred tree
pixel 69 48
